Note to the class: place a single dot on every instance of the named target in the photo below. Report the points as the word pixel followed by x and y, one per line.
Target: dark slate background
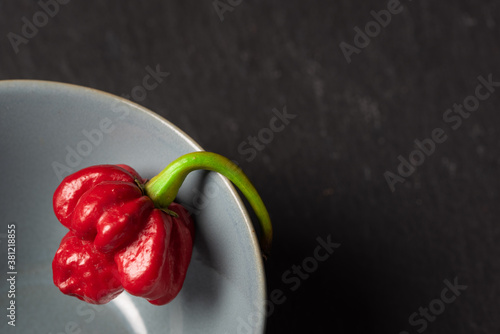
pixel 323 175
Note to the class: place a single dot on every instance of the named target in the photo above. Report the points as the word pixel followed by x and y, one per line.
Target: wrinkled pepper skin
pixel 118 240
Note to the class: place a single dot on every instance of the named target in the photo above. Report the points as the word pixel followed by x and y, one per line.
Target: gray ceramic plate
pixel 48 130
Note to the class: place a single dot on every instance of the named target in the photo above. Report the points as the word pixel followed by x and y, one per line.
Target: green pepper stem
pixel 163 188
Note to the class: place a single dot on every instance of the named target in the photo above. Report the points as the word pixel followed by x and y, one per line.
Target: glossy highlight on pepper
pixel 127 234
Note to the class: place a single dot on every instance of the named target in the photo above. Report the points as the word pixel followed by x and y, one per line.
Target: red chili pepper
pixel 127 234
